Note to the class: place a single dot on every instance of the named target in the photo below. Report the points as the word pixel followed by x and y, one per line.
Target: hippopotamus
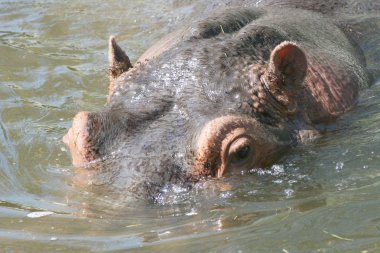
pixel 227 93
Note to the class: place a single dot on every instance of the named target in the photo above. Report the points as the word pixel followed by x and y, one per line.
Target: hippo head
pixel 204 106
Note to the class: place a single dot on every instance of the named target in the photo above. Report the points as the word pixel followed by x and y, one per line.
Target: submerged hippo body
pixel 230 93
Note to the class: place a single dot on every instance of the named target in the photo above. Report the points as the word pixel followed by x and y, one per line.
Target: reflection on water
pixel 323 197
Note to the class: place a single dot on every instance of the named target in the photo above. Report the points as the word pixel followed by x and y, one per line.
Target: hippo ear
pixel 118 60
pixel 285 74
pixel 288 62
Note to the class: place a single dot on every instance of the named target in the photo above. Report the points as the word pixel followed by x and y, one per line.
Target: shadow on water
pixel 321 197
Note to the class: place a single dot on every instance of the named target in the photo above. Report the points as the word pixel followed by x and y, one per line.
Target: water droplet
pixel 289 193
pixel 277 169
pixel 339 166
pixel 192 212
pixel 39 214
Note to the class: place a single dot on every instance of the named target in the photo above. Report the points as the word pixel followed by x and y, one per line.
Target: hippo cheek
pixel 78 140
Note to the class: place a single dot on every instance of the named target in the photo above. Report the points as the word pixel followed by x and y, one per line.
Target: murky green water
pixel 323 197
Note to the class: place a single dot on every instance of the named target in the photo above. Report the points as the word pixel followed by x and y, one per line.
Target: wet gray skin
pixel 229 93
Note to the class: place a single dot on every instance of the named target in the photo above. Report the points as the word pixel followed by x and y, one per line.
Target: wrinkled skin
pixel 229 93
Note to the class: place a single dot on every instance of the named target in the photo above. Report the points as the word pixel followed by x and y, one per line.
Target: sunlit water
pixel 322 197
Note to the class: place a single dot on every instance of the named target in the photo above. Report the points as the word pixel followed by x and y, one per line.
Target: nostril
pixel 79 130
pixel 78 140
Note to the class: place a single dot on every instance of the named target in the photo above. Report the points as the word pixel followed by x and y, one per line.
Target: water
pixel 322 197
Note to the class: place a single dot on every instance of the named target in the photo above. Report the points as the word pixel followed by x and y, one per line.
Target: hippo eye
pixel 240 152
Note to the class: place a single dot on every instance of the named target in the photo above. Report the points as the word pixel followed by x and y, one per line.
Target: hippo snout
pixel 78 139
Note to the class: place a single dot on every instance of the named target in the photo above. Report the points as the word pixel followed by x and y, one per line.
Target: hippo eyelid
pixel 235 157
